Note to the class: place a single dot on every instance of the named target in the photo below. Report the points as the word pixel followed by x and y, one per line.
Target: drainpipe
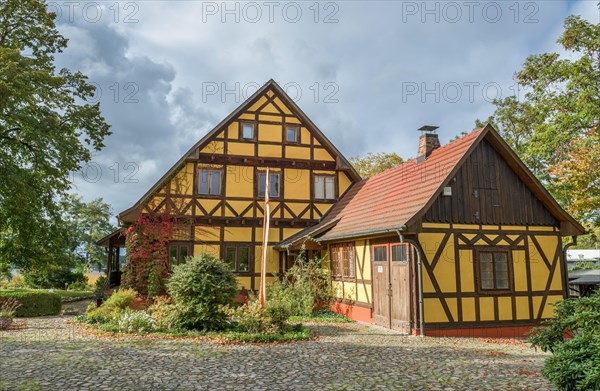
pixel 566 276
pixel 419 279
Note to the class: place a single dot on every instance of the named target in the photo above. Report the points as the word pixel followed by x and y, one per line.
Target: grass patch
pixel 323 316
pixel 296 333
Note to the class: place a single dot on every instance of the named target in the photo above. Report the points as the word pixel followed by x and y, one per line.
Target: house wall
pixel 452 295
pixel 354 295
pixel 235 216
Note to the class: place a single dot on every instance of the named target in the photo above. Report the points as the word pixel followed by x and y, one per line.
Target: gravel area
pixel 52 354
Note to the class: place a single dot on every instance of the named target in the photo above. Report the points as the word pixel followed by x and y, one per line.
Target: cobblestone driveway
pixel 52 355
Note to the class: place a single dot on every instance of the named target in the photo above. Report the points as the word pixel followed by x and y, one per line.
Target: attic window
pixel 292 134
pixel 247 131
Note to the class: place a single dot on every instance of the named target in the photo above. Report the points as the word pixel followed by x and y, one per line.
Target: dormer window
pixel 247 131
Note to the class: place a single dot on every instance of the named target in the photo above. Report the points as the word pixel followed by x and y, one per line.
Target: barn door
pixel 400 285
pixel 381 286
pixel 391 286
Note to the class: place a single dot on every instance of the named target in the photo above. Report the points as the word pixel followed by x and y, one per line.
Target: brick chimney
pixel 428 142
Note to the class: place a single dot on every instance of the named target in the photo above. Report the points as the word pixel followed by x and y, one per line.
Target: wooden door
pixel 391 286
pixel 400 286
pixel 381 285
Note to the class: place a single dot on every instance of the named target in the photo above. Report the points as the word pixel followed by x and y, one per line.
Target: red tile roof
pixel 387 201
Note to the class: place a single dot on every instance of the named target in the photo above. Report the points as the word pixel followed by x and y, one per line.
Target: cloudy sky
pixel 369 73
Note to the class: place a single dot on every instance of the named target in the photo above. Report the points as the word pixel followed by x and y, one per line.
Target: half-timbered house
pixel 462 240
pixel 217 188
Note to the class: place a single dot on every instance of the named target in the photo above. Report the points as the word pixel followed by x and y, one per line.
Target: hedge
pixel 34 303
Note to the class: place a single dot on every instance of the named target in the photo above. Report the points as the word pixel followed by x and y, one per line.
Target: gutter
pixel 566 274
pixel 419 278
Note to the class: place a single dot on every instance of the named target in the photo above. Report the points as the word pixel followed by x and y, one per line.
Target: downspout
pixel 419 279
pixel 566 274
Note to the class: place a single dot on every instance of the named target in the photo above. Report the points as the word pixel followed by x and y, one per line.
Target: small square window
pixel 292 134
pixel 494 270
pixel 247 131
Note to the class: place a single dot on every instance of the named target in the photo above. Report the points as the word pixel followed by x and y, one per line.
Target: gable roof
pixel 341 161
pixel 400 196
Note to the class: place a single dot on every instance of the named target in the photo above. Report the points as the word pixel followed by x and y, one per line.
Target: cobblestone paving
pixel 54 355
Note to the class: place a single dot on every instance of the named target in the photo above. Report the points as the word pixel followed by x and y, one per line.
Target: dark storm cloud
pixel 368 79
pixel 149 131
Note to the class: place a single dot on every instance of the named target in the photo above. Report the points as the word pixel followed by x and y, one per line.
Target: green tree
pixel 89 222
pixel 553 126
pixel 572 337
pixel 47 130
pixel 374 163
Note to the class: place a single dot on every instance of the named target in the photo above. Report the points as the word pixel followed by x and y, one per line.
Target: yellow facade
pixel 232 216
pixel 358 290
pixel 535 273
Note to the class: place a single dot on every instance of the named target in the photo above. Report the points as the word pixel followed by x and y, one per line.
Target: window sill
pixel 208 195
pixel 494 292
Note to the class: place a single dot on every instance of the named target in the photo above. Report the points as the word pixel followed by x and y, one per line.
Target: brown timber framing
pixel 275 91
pixel 520 243
pixel 568 225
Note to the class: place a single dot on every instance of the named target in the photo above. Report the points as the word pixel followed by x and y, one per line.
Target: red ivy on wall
pixel 147 250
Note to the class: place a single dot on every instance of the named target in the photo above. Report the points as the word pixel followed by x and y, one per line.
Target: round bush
pixel 200 288
pixel 34 303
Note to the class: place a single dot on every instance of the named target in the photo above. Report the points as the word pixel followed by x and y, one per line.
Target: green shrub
pixel 139 322
pixel 305 288
pixel 110 310
pixel 99 287
pixel 100 315
pixel 278 307
pixel 17 282
pixel 251 318
pixel 79 286
pixel 34 303
pixel 575 362
pixel 164 312
pixel 58 277
pixel 156 281
pixel 120 299
pixel 200 288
